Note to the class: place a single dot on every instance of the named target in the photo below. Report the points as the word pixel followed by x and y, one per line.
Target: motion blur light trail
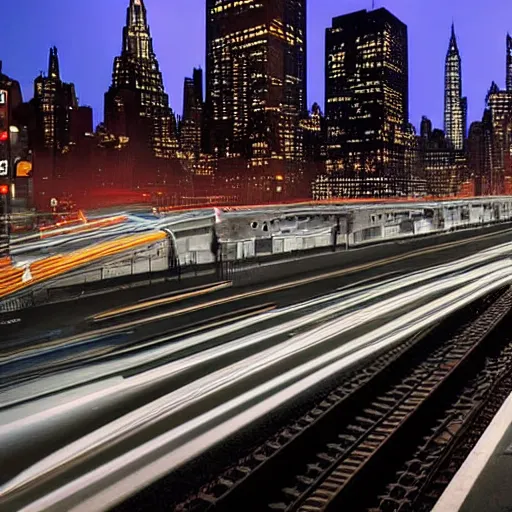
pixel 163 301
pixel 301 282
pixel 298 202
pixel 79 378
pixel 37 350
pixel 84 226
pixel 198 360
pixel 12 281
pixel 230 407
pixel 195 338
pixel 69 227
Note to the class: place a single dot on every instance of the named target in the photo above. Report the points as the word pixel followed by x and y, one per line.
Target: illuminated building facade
pixel 499 106
pixel 367 104
pixel 191 122
pixel 256 80
pixel 455 107
pixel 314 132
pixel 416 184
pixel 136 105
pixel 490 140
pixel 53 102
pixel 441 167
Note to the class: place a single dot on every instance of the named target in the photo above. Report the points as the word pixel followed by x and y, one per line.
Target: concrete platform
pixel 484 481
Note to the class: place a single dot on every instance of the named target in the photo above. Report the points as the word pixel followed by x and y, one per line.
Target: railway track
pixel 324 459
pixel 421 481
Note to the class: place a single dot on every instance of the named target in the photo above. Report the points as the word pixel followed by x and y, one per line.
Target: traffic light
pixel 4 190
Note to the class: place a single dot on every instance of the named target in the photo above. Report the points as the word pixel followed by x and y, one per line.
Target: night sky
pixel 88 35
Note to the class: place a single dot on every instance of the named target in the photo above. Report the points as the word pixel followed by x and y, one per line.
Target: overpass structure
pixel 157 242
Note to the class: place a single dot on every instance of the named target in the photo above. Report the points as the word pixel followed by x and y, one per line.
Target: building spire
pixel 137 15
pixel 136 34
pixel 509 63
pixel 53 64
pixel 452 48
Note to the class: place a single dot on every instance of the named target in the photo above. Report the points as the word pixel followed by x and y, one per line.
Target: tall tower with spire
pixel 53 100
pixel 136 105
pixel 509 63
pixel 454 104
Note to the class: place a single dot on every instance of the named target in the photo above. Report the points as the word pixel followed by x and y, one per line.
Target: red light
pixel 4 190
pixel 3 136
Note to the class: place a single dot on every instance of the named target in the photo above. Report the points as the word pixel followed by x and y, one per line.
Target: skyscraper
pixel 439 164
pixel 509 63
pixel 136 105
pixel 53 101
pixel 499 111
pixel 425 128
pixel 476 156
pixel 256 78
pixel 191 122
pixel 313 127
pixel 453 103
pixel 366 94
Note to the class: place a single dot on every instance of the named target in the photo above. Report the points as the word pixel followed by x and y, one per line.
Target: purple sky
pixel 88 36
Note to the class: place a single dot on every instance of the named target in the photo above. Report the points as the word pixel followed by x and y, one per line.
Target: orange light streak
pixel 68 228
pixel 55 266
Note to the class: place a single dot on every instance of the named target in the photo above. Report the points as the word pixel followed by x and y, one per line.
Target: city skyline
pixel 482 59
